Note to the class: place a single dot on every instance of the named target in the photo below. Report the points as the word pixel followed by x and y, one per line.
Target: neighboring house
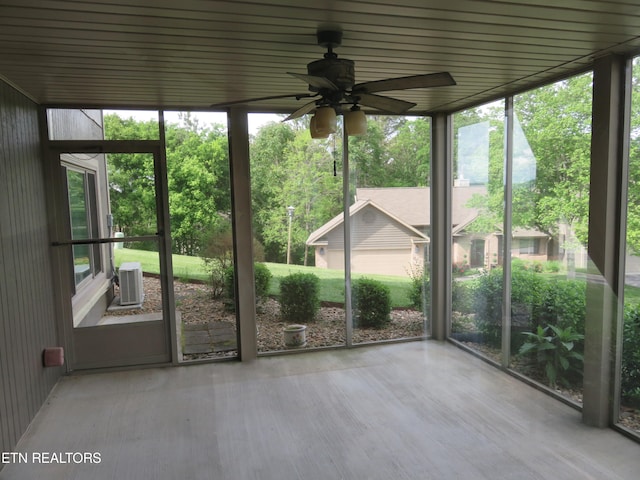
pixel 391 229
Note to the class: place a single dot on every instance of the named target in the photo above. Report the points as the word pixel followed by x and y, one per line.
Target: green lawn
pixel 184 267
pixel 331 281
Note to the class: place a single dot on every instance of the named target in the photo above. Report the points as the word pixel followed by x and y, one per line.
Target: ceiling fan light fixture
pixel 355 122
pixel 314 131
pixel 326 121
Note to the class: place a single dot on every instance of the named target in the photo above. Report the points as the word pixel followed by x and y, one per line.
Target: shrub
pixel 526 301
pixel 263 280
pixel 216 251
pixel 217 256
pixel 462 294
pixel 299 297
pixel 487 305
pixel 630 388
pixel 554 350
pixel 371 303
pixel 552 266
pixel 564 304
pixel 262 277
pixel 419 290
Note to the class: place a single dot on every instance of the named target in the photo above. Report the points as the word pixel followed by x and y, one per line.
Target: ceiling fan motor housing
pixel 340 71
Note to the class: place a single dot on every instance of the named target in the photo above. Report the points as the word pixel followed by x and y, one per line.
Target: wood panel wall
pixel 27 323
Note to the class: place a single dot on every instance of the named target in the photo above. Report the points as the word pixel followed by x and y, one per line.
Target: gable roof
pixel 316 236
pixel 412 204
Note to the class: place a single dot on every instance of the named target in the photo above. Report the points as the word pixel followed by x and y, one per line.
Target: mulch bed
pixel 196 305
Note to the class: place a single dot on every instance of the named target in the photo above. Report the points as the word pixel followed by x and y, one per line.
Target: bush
pixel 263 280
pixel 217 256
pixel 552 266
pixel 299 297
pixel 555 354
pixel 262 277
pixel 526 302
pixel 487 305
pixel 371 303
pixel 630 388
pixel 462 294
pixel 564 304
pixel 420 289
pixel 216 251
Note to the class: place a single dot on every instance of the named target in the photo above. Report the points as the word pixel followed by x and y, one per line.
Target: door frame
pixel 61 254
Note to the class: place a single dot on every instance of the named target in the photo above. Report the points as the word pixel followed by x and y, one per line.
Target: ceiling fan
pixel 332 83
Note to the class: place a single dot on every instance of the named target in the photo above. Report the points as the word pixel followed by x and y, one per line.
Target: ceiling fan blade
pixel 441 79
pixel 386 104
pixel 317 82
pixel 301 111
pixel 297 96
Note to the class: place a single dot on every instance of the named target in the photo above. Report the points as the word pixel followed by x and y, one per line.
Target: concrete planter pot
pixel 295 336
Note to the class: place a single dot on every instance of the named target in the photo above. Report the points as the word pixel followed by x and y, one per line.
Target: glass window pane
pixel 131 125
pixel 294 195
pixel 79 224
pixel 202 242
pixel 630 364
pixel 132 200
pixel 551 164
pixel 390 228
pixel 477 218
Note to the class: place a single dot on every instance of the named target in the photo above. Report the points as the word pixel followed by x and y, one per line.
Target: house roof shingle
pixel 412 204
pixel 409 205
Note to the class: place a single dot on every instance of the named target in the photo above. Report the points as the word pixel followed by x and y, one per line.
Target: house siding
pixel 27 324
pixel 372 230
pixel 379 245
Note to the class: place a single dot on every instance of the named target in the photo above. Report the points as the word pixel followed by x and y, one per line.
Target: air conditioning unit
pixel 131 289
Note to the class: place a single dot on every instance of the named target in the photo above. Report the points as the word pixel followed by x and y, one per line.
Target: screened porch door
pixel 114 257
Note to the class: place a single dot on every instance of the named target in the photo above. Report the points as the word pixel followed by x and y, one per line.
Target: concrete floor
pixel 420 410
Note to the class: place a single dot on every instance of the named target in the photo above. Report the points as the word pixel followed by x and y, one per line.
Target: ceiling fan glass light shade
pixel 314 130
pixel 326 121
pixel 355 122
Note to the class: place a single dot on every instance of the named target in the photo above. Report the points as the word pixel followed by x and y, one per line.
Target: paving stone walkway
pixel 211 337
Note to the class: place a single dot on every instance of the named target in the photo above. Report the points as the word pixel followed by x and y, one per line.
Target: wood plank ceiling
pixel 194 53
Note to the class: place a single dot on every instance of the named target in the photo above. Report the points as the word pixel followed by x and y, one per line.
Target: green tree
pixel 368 156
pixel 556 121
pixel 302 177
pixel 409 150
pixel 633 202
pixel 131 178
pixel 198 175
pixel 268 152
pixel 198 178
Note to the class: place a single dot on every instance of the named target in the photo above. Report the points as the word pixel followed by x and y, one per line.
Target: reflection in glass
pixel 477 219
pixel 79 224
pixel 630 362
pixel 551 158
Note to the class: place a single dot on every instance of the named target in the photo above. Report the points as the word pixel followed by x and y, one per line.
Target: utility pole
pixel 290 210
